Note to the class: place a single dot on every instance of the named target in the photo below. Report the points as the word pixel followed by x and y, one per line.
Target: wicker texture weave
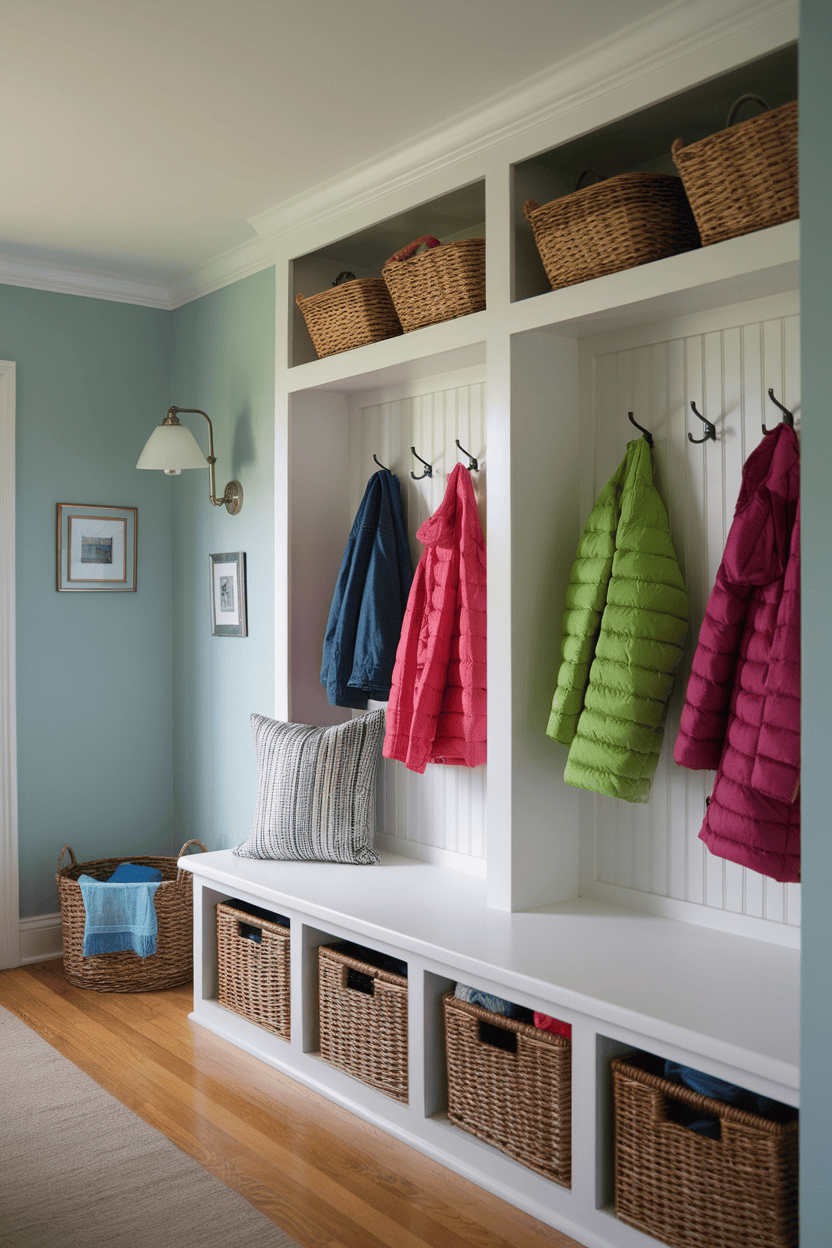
pixel 691 1191
pixel 521 1102
pixel 171 964
pixel 349 315
pixel 254 976
pixel 617 224
pixel 440 284
pixel 745 177
pixel 364 1035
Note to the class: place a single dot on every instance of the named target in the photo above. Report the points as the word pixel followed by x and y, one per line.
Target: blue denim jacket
pixel 368 606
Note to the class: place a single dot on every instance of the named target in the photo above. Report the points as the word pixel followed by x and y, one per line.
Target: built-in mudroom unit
pixel 608 915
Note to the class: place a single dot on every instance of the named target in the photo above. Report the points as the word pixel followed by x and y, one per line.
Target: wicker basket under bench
pixel 363 1018
pixel 510 1084
pixel 253 965
pixel 688 1190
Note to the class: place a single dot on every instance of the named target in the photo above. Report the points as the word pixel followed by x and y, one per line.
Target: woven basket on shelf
pixel 616 224
pixel 745 177
pixel 510 1084
pixel 349 315
pixel 171 964
pixel 439 284
pixel 253 974
pixel 688 1190
pixel 363 1021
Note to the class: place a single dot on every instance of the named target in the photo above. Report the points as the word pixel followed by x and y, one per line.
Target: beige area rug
pixel 80 1170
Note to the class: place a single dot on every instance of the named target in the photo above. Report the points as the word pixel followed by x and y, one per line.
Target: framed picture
pixel 96 548
pixel 228 595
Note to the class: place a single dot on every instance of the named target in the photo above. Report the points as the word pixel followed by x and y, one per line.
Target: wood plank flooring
pixel 328 1178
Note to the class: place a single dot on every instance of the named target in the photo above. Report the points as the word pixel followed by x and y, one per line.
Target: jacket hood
pixel 456 517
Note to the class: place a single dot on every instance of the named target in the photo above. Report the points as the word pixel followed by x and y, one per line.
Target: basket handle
pixel 299 299
pixel 74 860
pixel 744 99
pixel 584 173
pixel 412 248
pixel 183 876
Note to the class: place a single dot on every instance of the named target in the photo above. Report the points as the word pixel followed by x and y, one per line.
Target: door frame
pixel 9 868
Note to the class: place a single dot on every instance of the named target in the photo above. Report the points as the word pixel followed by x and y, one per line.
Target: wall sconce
pixel 172 447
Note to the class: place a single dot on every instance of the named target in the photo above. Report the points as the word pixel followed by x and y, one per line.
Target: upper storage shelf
pixel 457 215
pixel 638 143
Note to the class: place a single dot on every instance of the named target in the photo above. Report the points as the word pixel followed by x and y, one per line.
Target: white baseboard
pixel 41 938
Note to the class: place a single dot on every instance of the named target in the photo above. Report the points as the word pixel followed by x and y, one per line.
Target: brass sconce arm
pixel 232 499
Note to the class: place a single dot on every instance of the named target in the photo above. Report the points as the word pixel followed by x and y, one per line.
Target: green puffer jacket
pixel 623 633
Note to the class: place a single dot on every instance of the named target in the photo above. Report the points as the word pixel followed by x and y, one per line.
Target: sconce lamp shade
pixel 172 448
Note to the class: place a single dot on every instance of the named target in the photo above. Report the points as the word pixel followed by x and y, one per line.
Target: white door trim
pixel 9 877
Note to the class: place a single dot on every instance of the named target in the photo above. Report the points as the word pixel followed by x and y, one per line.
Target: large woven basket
pixel 363 1021
pixel 440 284
pixel 616 224
pixel 688 1190
pixel 254 973
pixel 349 315
pixel 745 177
pixel 171 964
pixel 510 1084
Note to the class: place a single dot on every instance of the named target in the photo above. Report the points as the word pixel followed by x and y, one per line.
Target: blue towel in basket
pixel 120 912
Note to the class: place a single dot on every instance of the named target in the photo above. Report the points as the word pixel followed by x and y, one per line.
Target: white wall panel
pixel 439 815
pixel 650 856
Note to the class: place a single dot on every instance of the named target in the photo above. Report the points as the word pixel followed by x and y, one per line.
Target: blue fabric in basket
pixel 120 913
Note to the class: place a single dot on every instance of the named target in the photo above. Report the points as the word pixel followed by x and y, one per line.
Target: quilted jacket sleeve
pixel 585 598
pixel 777 765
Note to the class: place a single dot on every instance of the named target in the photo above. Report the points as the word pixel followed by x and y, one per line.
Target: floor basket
pixel 510 1084
pixel 616 224
pixel 363 1020
pixel 745 177
pixel 171 964
pixel 688 1190
pixel 349 315
pixel 440 284
pixel 253 964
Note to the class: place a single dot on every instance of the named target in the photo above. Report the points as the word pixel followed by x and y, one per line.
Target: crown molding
pixel 63 280
pixel 683 28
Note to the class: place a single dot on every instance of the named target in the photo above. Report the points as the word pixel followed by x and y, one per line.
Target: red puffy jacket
pixel 742 709
pixel 437 707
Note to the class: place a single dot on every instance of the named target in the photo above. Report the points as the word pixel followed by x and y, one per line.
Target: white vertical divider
pixel 650 856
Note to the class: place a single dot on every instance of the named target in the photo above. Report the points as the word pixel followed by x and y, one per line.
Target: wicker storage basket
pixel 349 315
pixel 253 964
pixel 510 1084
pixel 173 961
pixel 616 224
pixel 440 284
pixel 692 1191
pixel 745 177
pixel 363 1020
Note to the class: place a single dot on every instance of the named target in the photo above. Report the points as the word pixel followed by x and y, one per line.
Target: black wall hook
pixel 428 467
pixel 788 418
pixel 380 464
pixel 710 430
pixel 648 436
pixel 473 464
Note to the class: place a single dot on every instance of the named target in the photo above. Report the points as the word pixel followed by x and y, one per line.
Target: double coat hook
pixel 788 418
pixel 710 430
pixel 648 437
pixel 428 467
pixel 473 464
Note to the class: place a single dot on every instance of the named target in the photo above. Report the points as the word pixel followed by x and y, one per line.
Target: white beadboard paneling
pixel 440 815
pixel 652 853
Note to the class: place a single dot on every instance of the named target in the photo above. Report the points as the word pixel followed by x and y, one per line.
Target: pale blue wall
pixel 93 670
pixel 816 535
pixel 223 362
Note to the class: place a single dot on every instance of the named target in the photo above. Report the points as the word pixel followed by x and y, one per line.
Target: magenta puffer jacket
pixel 437 707
pixel 742 710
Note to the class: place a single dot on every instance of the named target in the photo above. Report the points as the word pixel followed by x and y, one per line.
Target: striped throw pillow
pixel 316 790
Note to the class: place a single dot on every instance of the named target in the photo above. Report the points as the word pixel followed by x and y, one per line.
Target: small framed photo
pixel 96 548
pixel 228 595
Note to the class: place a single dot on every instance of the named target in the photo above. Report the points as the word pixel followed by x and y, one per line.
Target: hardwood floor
pixel 326 1177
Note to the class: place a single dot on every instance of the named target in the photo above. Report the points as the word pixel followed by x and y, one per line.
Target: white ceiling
pixel 139 137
